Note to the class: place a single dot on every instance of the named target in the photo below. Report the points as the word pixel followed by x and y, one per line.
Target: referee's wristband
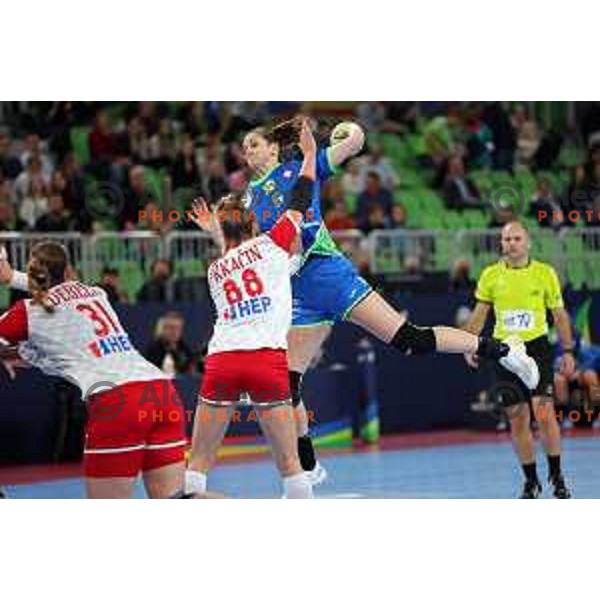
pixel 568 351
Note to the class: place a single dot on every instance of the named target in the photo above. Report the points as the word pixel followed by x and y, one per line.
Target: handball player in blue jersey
pixel 326 287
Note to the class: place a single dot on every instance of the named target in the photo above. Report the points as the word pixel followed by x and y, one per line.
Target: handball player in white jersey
pixel 251 289
pixel 135 417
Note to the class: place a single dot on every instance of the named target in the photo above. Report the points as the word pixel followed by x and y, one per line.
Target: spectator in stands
pixel 34 149
pixel 575 197
pixel 399 216
pixel 102 144
pixel 190 117
pixel 373 195
pixel 136 196
pixel 186 173
pixel 9 221
pixel 10 166
pixel 168 351
pixel 216 180
pixel 338 217
pixel 149 117
pixel 551 142
pixel 61 119
pixel 376 219
pixel 376 162
pixel 371 115
pixel 593 193
pixel 353 179
pixel 154 219
pixel 5 190
pixel 459 191
pixel 161 146
pixel 499 123
pixel 74 192
pixel 528 137
pixel 235 166
pixel 112 286
pixel 479 141
pixel 546 207
pixel 22 185
pixel 441 136
pixel 35 203
pixel 460 277
pixel 57 218
pixel 158 287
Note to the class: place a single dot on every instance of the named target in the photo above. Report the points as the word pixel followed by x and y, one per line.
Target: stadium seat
pixel 81 145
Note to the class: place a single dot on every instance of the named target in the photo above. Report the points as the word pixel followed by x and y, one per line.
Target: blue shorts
pixel 325 290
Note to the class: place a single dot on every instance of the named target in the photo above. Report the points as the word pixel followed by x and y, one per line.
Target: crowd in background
pixel 151 150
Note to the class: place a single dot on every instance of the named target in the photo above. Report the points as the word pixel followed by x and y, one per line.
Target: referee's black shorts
pixel 509 390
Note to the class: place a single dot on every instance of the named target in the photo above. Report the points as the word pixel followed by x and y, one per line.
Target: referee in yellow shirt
pixel 521 291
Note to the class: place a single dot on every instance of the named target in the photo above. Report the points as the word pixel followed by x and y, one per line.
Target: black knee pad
pixel 296 387
pixel 410 339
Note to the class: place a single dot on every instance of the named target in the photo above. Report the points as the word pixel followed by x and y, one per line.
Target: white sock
pixel 297 487
pixel 195 482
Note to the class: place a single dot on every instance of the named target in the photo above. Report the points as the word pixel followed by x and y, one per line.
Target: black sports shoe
pixel 531 490
pixel 561 491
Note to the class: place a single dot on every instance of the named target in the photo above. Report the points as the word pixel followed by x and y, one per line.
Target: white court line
pixel 347 495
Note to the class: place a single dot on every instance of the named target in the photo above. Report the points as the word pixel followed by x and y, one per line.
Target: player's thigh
pixel 165 439
pixel 377 316
pixel 115 436
pixel 118 488
pixel 304 343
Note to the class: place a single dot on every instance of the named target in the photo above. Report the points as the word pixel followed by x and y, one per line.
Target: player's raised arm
pixel 347 140
pixel 288 226
pixel 206 219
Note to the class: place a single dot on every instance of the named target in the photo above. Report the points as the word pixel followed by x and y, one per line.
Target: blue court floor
pixel 483 470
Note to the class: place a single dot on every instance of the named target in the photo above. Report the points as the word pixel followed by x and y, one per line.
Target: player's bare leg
pixel 164 482
pixel 379 318
pixel 210 425
pixel 303 345
pixel 588 380
pixel 550 434
pixel 119 488
pixel 280 430
pixel 520 429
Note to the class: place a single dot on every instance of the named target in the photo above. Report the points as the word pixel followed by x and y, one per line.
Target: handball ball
pixel 341 131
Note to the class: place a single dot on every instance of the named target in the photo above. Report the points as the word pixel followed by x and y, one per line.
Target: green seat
pixel 4 297
pixel 442 253
pixel 81 144
pixel 155 182
pixel 191 268
pixel 132 277
pixel 576 275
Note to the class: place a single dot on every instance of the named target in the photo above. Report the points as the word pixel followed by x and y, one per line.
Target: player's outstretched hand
pixel 202 215
pixel 472 360
pixel 307 139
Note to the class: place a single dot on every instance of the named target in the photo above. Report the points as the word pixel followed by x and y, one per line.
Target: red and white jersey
pixel 252 293
pixel 81 341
